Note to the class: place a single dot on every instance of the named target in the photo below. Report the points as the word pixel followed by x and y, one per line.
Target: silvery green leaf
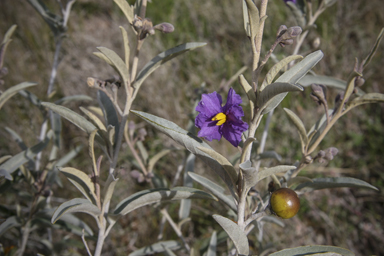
pixel 127 9
pixel 190 142
pixel 109 187
pixel 71 116
pixel 32 98
pixel 117 63
pixel 250 93
pixel 269 96
pixel 109 112
pixel 5 174
pixel 162 58
pixel 215 189
pixel 24 156
pixel 276 69
pixel 212 245
pixel 312 249
pixel 247 25
pixel 297 180
pixel 293 75
pixel 239 238
pixel 7 94
pixel 17 138
pixel 374 48
pixel 8 35
pixel 56 127
pixel 334 182
pixel 127 49
pixel 365 99
pixel 299 126
pixel 168 252
pixel 185 204
pixel 103 57
pixel 9 223
pixel 253 19
pixel 66 100
pixel 156 248
pixel 146 197
pixel 81 181
pixel 143 151
pixel 54 21
pixel 95 120
pixel 274 170
pixel 327 81
pixel 222 161
pixel 66 219
pixel 250 174
pixel 349 90
pixel 76 205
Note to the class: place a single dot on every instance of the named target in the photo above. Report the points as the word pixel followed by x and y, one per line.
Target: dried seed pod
pixel 285 203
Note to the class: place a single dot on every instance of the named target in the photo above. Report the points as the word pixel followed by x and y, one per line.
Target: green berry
pixel 285 203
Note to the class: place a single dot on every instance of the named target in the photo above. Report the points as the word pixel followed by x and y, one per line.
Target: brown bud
pixel 281 31
pixel 318 93
pixel 165 27
pixel 330 153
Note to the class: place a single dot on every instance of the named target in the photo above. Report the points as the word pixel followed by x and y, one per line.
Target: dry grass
pixel 350 218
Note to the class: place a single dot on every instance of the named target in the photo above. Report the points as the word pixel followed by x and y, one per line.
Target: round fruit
pixel 285 203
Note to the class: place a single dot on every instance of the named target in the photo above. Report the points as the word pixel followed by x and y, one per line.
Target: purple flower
pixel 294 1
pixel 216 120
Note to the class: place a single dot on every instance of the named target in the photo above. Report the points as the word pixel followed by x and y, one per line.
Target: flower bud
pixel 142 133
pixel 281 31
pixel 359 81
pixel 165 27
pixel 318 93
pixel 330 153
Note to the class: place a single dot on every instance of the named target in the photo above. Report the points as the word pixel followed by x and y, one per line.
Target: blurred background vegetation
pixel 349 218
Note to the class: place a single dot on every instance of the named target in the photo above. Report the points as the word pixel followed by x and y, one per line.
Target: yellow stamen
pixel 221 118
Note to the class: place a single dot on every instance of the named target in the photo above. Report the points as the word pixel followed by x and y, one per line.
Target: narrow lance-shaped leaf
pixel 109 111
pixel 327 81
pixel 239 238
pixel 365 99
pixel 126 9
pixel 66 100
pixel 146 197
pixel 299 126
pixel 8 34
pixel 185 204
pixel 162 58
pixel 274 170
pixel 190 142
pixel 96 121
pixel 13 90
pixel 9 223
pixel 334 182
pixel 212 245
pixel 254 19
pixel 109 188
pixel 367 60
pixel 292 76
pixel 81 181
pixel 312 249
pixel 21 158
pixel 276 69
pixel 127 50
pixel 117 63
pixel 76 205
pixel 249 91
pixel 215 189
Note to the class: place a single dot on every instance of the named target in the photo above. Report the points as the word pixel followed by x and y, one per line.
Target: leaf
pixel 334 182
pixel 126 9
pixel 297 180
pixel 95 120
pixel 293 75
pixel 81 181
pixel 109 112
pixel 367 60
pixel 253 18
pixel 24 156
pixel 17 138
pixel 8 34
pixel 237 235
pixel 247 25
pixel 222 161
pixel 349 90
pixel 168 252
pixel 13 90
pixel 299 126
pixel 66 100
pixel 312 249
pixel 5 174
pixel 215 189
pixel 249 91
pixel 127 50
pixel 71 116
pixel 267 97
pixel 76 205
pixel 212 245
pixel 117 63
pixel 190 142
pixel 272 219
pixel 146 197
pixel 156 248
pixel 185 204
pixel 56 127
pixel 108 189
pixel 250 174
pixel 318 128
pixel 276 69
pixel 274 170
pixel 162 58
pixel 103 57
pixel 327 81
pixel 365 99
pixel 9 223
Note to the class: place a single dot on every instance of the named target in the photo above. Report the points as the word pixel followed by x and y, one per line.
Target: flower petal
pixel 232 132
pixel 233 99
pixel 210 104
pixel 210 131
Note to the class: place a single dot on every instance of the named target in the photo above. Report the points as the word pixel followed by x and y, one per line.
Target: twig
pixel 85 244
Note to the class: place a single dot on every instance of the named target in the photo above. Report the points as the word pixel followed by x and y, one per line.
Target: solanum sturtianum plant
pixel 264 100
